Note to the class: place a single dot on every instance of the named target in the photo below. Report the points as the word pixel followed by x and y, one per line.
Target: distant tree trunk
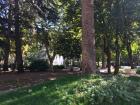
pixel 117 49
pixel 103 60
pixel 7 47
pixel 127 39
pixel 108 54
pixel 129 51
pixel 88 37
pixel 98 61
pixel 51 64
pixel 71 65
pixel 103 52
pixel 50 58
pixel 18 39
pixel 107 51
pixel 6 55
pixel 46 44
pixel 117 61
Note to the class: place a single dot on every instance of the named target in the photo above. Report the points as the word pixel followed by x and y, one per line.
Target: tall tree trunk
pixel 18 39
pixel 107 51
pixel 6 57
pixel 51 64
pixel 103 52
pixel 50 58
pixel 6 54
pixel 88 37
pixel 127 39
pixel 129 51
pixel 117 61
pixel 98 62
pixel 7 47
pixel 46 43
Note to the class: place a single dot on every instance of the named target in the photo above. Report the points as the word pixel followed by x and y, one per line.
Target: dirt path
pixel 11 81
pixel 124 72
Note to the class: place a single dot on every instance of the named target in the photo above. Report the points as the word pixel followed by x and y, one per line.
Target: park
pixel 69 52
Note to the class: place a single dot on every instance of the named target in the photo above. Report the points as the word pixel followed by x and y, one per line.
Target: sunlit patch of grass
pixel 73 90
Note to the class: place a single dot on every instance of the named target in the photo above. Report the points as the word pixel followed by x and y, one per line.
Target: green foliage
pixel 69 45
pixel 58 66
pixel 114 92
pixel 77 90
pixel 57 23
pixel 76 64
pixel 38 65
pixel 138 70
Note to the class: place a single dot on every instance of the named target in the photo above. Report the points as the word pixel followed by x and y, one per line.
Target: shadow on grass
pixel 48 93
pixel 63 91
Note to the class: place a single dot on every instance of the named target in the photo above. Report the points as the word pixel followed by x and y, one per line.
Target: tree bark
pixel 117 61
pixel 103 52
pixel 46 43
pixel 51 64
pixel 129 51
pixel 108 54
pixel 18 39
pixel 7 47
pixel 103 60
pixel 88 37
pixel 98 62
pixel 6 54
pixel 50 58
pixel 127 39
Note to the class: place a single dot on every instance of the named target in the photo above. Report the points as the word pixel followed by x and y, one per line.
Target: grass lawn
pixel 78 90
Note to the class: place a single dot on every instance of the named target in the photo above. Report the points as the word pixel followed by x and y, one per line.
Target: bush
pixel 138 70
pixel 58 66
pixel 38 65
pixel 113 92
pixel 76 64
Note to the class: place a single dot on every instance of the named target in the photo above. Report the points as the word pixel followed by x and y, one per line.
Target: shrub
pixel 38 65
pixel 76 64
pixel 138 70
pixel 114 92
pixel 58 67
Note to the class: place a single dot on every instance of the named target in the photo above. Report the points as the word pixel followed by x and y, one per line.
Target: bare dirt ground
pixel 127 72
pixel 11 81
